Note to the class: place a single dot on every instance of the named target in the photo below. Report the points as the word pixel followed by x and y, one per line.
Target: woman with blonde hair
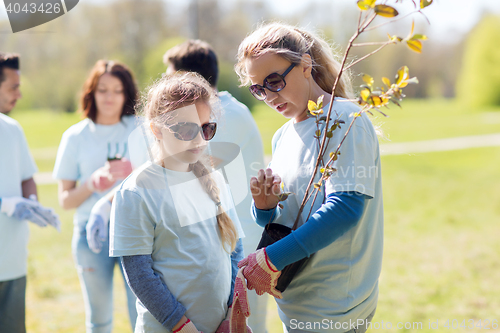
pixel 337 289
pixel 173 220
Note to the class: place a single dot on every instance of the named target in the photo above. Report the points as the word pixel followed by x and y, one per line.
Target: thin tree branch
pixel 392 21
pixel 368 55
pixel 368 44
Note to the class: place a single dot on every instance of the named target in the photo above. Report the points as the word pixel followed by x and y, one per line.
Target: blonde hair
pixel 292 43
pixel 171 93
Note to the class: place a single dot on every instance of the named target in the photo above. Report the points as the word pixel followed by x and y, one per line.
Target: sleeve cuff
pixel 265 216
pixel 286 251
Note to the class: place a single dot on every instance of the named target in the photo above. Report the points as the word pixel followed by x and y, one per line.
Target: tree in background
pixel 479 80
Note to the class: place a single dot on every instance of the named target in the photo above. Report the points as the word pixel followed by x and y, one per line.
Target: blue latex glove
pixel 31 210
pixel 97 226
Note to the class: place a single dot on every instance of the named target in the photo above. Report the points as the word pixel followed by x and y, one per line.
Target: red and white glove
pixel 237 314
pixel 187 327
pixel 240 310
pixel 260 273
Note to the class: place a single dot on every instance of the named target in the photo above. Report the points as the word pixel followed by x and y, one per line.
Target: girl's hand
pixel 265 189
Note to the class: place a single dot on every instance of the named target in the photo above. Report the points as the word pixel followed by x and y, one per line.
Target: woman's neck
pixel 106 120
pixel 315 92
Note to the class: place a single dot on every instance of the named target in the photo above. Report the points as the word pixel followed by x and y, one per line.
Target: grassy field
pixel 441 226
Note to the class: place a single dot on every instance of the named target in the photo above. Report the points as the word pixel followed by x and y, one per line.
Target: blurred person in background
pixel 92 159
pixel 18 202
pixel 238 127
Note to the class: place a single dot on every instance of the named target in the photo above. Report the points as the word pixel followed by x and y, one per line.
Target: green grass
pixel 441 226
pixel 43 130
pixel 441 237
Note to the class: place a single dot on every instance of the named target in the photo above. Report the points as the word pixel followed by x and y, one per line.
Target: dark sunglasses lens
pixel 209 130
pixel 274 82
pixel 186 132
pixel 258 92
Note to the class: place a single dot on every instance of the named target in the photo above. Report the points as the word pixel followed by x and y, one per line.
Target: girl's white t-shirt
pixel 168 215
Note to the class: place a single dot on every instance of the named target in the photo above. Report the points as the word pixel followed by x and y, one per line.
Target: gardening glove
pixel 97 226
pixel 29 209
pixel 236 320
pixel 260 273
pixel 47 213
pixel 188 327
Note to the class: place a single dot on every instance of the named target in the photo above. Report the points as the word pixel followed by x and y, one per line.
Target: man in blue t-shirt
pixel 18 202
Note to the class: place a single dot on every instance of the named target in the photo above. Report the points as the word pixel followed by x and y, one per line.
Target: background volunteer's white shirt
pixel 168 215
pixel 340 282
pixel 16 165
pixel 238 126
pixel 85 148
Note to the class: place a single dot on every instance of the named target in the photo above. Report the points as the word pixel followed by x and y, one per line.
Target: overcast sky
pixel 446 16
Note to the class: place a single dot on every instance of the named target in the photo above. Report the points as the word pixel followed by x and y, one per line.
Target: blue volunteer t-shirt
pixel 16 165
pixel 84 148
pixel 340 282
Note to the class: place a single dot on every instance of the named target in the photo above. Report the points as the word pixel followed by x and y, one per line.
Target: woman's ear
pixel 306 63
pixel 156 131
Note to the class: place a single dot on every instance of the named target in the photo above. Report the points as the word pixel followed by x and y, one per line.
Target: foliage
pixel 370 98
pixel 152 63
pixel 479 81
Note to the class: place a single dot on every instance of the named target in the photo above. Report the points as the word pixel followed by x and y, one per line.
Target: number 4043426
pixel 47 8
pixel 485 324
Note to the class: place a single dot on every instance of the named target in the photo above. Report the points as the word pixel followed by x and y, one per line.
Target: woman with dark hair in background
pixel 92 158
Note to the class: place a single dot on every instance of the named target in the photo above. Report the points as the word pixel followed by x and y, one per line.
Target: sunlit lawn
pixel 441 225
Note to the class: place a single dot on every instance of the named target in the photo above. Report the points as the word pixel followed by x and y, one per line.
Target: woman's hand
pixel 119 169
pixel 106 176
pixel 265 189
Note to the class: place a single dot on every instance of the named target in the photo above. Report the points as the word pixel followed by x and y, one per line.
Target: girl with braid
pixel 173 221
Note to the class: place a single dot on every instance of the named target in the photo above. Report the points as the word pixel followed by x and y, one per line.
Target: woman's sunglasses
pixel 188 131
pixel 274 82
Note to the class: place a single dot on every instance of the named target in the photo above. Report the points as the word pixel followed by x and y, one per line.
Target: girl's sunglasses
pixel 274 82
pixel 188 131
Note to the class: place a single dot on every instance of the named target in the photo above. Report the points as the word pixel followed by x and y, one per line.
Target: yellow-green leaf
pixel 365 94
pixel 282 186
pixel 366 4
pixel 386 81
pixel 402 75
pixel 368 79
pixel 386 11
pixel 311 106
pixel 319 102
pixel 419 36
pixel 425 3
pixel 415 45
pixel 394 38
